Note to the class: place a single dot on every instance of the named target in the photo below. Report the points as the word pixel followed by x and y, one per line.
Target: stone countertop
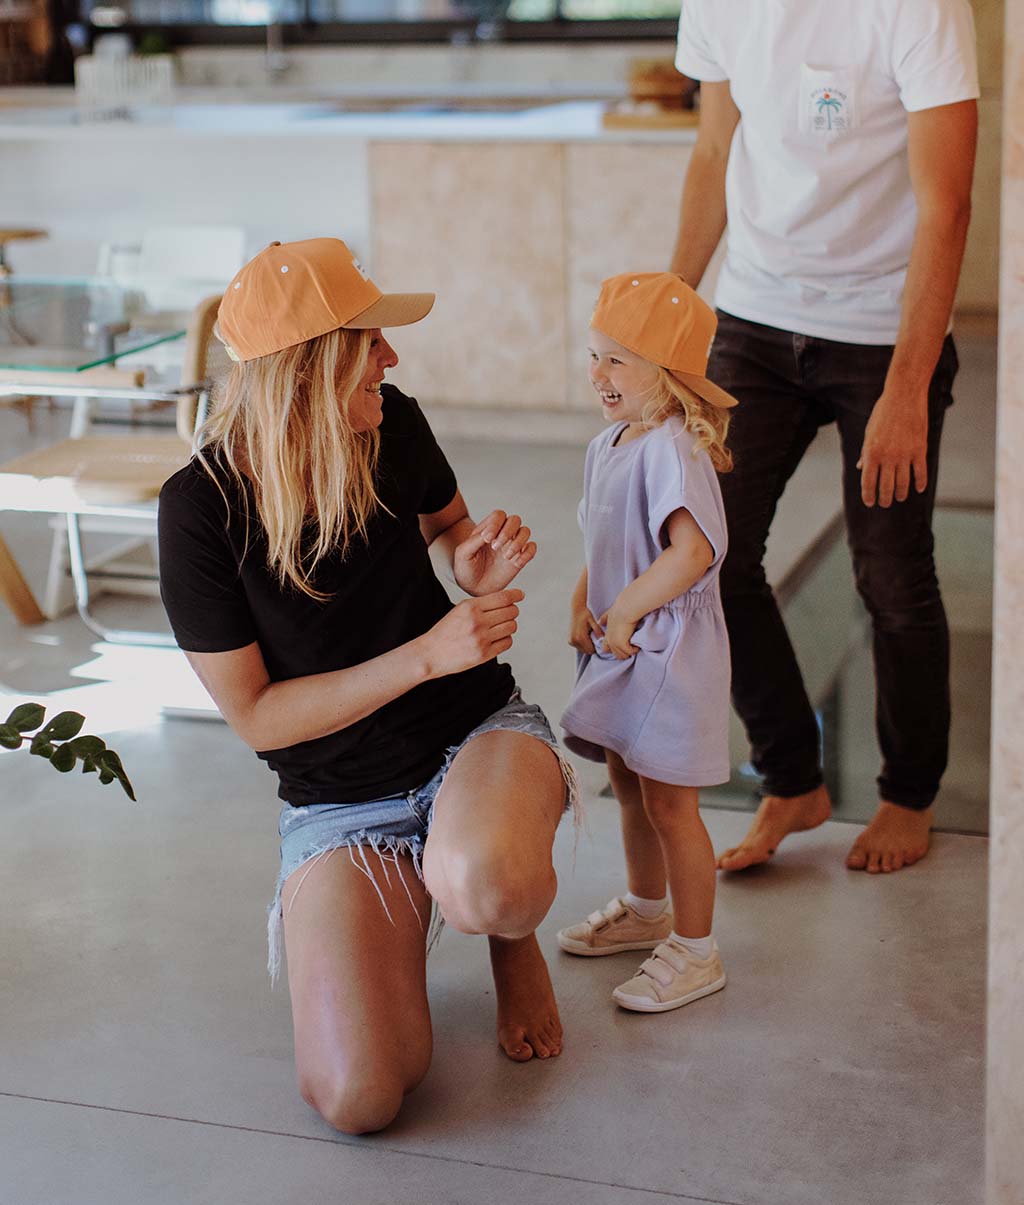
pixel 420 120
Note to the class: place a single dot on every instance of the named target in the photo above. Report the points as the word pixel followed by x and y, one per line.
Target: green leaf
pixel 26 717
pixel 10 737
pixel 110 763
pixel 41 745
pixel 105 775
pixel 63 758
pixel 87 746
pixel 64 726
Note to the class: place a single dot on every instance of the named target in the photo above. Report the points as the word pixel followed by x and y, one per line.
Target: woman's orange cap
pixel 292 292
pixel 658 316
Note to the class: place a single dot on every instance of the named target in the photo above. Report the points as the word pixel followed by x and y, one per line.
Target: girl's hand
pixel 474 631
pixel 618 633
pixel 494 552
pixel 583 627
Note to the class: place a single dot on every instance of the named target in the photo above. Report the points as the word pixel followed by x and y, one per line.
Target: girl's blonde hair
pixel 708 424
pixel 282 426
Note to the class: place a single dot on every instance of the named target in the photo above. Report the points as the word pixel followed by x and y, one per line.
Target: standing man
pixel 838 141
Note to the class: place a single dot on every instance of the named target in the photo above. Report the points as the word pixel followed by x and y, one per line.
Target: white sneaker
pixel 616 928
pixel 670 978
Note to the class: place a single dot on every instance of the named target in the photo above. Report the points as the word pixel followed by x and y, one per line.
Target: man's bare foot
pixel 897 837
pixel 777 818
pixel 528 1022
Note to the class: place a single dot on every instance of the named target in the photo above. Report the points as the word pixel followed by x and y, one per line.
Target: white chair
pixel 175 267
pixel 110 484
pixel 171 269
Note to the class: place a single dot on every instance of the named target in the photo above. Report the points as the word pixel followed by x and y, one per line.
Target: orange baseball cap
pixel 292 292
pixel 658 316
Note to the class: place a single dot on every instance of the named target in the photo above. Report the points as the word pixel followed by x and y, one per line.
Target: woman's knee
pixel 481 893
pixel 360 1101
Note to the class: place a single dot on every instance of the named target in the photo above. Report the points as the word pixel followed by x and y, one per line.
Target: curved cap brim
pixel 393 309
pixel 706 389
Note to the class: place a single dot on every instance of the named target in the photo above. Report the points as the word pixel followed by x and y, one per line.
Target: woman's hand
pixel 493 554
pixel 474 631
pixel 619 627
pixel 583 627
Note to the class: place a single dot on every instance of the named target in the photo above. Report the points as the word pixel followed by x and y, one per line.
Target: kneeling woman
pixel 297 579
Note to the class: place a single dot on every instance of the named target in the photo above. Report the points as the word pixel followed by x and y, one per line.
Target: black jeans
pixel 788 386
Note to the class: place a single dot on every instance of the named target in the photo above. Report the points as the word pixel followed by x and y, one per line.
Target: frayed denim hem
pixel 515 716
pixel 389 851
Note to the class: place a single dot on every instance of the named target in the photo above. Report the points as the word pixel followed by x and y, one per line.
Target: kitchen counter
pixel 444 120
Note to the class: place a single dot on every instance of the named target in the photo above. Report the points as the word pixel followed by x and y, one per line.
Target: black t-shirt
pixel 220 595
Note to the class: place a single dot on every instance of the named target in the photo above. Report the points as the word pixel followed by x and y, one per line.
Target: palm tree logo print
pixel 826 104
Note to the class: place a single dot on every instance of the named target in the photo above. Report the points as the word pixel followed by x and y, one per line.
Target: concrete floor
pixel 144 1058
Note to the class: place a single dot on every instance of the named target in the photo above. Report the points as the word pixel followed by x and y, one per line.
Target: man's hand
pixel 895 448
pixel 494 552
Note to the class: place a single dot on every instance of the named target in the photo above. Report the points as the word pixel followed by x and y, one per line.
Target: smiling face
pixel 625 382
pixel 364 406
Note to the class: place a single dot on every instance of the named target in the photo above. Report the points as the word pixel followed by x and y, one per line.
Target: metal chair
pixel 113 481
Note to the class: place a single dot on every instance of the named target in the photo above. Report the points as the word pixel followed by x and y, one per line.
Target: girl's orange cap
pixel 658 316
pixel 292 292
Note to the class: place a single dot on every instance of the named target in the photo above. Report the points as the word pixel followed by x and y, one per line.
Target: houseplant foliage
pixel 61 744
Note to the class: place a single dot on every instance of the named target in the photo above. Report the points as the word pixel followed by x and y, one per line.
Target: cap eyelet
pixel 675 300
pixel 238 284
pixel 284 267
pixel 636 282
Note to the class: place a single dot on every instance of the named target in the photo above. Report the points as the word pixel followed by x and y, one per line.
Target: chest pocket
pixel 828 101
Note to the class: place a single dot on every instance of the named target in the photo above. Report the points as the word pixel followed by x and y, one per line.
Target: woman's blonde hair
pixel 708 424
pixel 282 426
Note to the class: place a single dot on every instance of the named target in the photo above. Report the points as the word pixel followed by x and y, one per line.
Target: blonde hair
pixel 708 424
pixel 283 426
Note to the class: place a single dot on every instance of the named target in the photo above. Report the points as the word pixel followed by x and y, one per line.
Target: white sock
pixel 699 947
pixel 648 909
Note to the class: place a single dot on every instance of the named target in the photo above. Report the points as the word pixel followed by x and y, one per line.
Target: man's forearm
pixel 935 261
pixel 701 216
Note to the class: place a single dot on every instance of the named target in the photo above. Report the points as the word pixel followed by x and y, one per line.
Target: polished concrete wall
pixel 1006 903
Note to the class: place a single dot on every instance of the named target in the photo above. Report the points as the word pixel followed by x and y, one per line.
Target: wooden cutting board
pixel 636 117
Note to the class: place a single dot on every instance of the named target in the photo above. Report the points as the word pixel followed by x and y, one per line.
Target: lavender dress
pixel 665 711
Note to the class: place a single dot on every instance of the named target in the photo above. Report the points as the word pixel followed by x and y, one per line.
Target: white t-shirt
pixel 821 212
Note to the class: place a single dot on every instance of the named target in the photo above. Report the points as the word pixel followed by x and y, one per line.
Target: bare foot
pixel 897 837
pixel 777 818
pixel 528 1022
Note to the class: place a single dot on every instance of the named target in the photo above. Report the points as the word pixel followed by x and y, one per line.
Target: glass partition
pixel 831 633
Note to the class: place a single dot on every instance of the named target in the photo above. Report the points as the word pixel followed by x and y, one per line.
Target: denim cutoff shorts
pixel 395 825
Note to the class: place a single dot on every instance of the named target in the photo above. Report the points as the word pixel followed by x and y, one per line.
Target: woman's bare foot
pixel 777 818
pixel 528 1022
pixel 897 837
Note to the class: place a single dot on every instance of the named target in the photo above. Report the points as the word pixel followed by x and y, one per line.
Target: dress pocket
pixel 828 101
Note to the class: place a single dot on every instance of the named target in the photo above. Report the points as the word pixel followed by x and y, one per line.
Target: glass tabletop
pixel 69 325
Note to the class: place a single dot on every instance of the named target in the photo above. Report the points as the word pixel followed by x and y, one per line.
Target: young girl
pixel 652 689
